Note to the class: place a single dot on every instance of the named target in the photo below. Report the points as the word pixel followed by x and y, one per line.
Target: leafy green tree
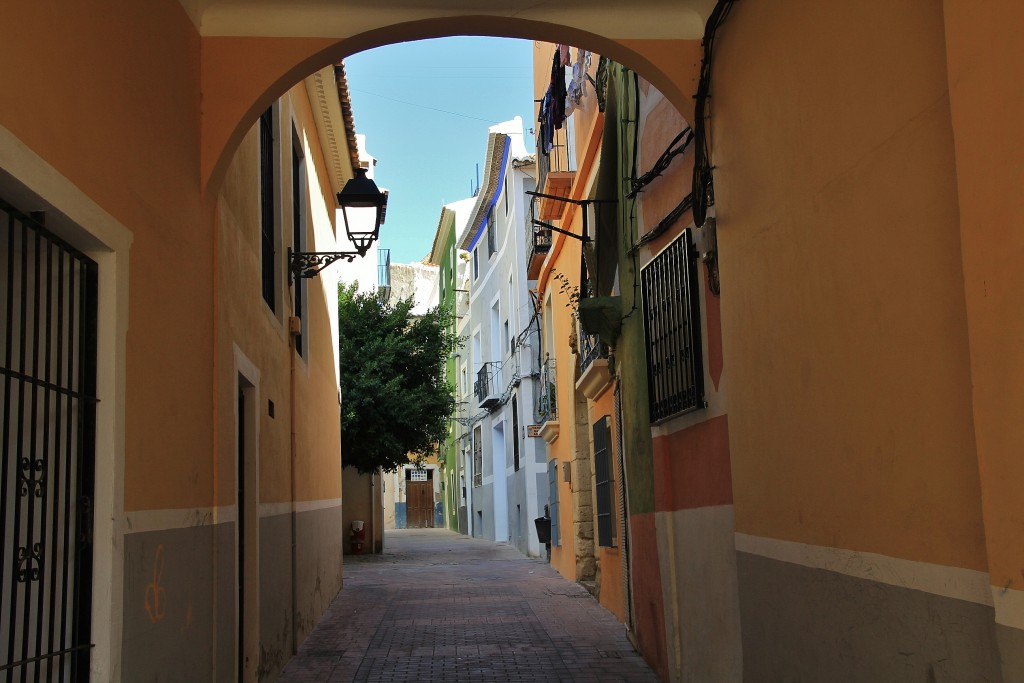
pixel 395 399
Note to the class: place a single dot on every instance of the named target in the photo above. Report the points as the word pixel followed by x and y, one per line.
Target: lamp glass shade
pixel 362 206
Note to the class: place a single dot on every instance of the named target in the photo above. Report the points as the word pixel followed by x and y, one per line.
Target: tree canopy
pixel 395 398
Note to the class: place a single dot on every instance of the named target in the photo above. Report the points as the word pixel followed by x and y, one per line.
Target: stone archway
pixel 271 65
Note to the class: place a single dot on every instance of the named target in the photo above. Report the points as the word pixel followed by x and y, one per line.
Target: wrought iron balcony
pixel 547 402
pixel 591 348
pixel 538 239
pixel 384 273
pixel 487 386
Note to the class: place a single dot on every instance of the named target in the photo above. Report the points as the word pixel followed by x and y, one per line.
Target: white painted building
pixel 499 368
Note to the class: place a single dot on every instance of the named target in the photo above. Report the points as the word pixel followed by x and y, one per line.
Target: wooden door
pixel 419 504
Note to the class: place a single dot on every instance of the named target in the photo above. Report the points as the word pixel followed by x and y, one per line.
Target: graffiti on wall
pixel 156 596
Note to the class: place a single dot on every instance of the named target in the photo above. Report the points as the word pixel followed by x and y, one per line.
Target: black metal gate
pixel 47 410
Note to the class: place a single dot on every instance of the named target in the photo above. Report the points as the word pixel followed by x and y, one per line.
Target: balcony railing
pixel 547 402
pixel 558 160
pixel 538 241
pixel 591 348
pixel 487 386
pixel 384 273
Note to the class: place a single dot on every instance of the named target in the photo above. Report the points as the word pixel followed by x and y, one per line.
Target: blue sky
pixel 425 107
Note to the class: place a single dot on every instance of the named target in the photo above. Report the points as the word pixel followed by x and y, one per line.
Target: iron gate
pixel 47 408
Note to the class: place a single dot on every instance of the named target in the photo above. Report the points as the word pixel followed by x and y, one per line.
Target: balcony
pixel 547 402
pixel 488 386
pixel 555 173
pixel 538 239
pixel 595 375
pixel 384 273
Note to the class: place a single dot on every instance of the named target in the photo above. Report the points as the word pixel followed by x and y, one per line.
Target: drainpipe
pixel 294 328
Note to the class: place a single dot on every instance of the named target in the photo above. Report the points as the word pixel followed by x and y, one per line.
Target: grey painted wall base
pixel 168 606
pixel 318 546
pixel 1011 649
pixel 803 624
pixel 180 595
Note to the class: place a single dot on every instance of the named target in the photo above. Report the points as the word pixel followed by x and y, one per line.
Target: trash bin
pixel 543 529
pixel 357 537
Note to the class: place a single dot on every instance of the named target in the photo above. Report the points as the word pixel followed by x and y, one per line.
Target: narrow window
pixel 515 433
pixel 299 232
pixel 478 457
pixel 267 206
pixel 491 241
pixel 476 263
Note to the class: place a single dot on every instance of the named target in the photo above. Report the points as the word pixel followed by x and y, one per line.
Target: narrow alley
pixel 438 606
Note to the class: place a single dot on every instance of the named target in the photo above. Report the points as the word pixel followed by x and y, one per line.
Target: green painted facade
pixel 620 122
pixel 444 256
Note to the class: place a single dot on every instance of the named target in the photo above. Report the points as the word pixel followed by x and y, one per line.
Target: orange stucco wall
pixel 611 589
pixel 864 439
pixel 985 76
pixel 133 148
pixel 245 320
pixel 563 448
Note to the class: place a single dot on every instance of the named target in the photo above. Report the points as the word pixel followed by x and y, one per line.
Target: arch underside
pixel 275 48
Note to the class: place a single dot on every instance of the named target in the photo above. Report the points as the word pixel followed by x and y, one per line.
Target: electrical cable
pixel 663 162
pixel 703 183
pixel 665 223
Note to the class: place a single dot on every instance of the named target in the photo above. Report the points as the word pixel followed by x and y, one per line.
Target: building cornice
pixel 494 162
pixel 332 112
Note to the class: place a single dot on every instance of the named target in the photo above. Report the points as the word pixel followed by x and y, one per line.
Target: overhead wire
pixel 703 183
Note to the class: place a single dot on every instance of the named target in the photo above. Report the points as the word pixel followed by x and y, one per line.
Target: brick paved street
pixel 438 606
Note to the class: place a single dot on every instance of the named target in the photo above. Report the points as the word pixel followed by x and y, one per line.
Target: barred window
pixel 671 305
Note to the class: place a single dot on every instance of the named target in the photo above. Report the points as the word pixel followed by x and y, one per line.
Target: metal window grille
pixel 267 204
pixel 48 354
pixel 675 374
pixel 478 457
pixel 553 500
pixel 603 483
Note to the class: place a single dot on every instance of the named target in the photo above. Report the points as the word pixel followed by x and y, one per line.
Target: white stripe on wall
pixel 165 520
pixel 1009 606
pixel 949 582
pixel 274 509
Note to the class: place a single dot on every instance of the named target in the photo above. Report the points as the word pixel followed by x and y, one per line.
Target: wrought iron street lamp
pixel 362 208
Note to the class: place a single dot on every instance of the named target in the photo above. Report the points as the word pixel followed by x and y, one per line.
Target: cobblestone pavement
pixel 438 606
